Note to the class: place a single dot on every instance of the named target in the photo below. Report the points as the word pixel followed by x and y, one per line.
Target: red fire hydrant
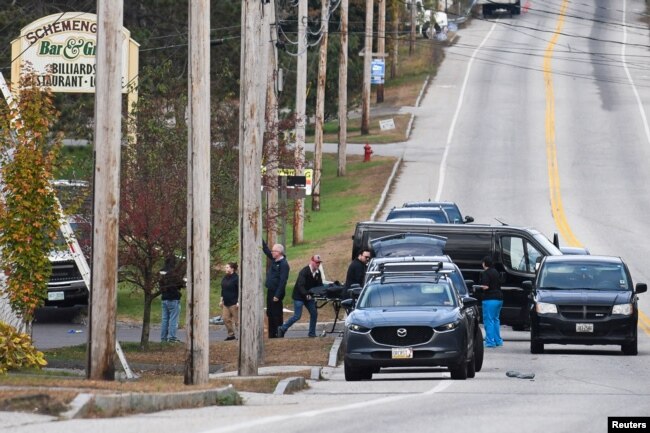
pixel 367 151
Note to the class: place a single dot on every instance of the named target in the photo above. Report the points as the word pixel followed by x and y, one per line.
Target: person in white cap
pixel 308 277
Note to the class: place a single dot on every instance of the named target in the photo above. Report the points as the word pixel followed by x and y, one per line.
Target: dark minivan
pixel 515 250
pixel 584 300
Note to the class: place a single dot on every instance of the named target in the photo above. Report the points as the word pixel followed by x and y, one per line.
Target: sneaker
pixel 232 337
pixel 281 332
pixel 174 340
pixel 311 336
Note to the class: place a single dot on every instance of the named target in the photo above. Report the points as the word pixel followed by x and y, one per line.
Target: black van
pixel 515 250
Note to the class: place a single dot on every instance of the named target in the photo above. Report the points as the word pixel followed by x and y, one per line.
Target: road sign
pixel 377 71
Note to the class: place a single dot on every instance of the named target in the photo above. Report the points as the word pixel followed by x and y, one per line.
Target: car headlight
pixel 624 309
pixel 544 308
pixel 447 327
pixel 358 328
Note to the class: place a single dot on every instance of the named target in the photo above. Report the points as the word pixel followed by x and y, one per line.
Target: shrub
pixel 17 350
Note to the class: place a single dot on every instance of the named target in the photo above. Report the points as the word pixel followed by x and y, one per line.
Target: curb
pixel 384 193
pixel 334 352
pixel 419 98
pixel 291 385
pixel 118 404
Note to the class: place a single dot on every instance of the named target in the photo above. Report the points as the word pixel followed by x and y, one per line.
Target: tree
pixel 29 156
pixel 154 187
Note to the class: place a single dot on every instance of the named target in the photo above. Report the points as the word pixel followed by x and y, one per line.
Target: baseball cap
pixel 316 258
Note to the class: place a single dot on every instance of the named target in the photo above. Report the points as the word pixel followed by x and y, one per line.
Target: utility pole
pixel 254 54
pixel 271 139
pixel 412 39
pixel 367 61
pixel 108 134
pixel 343 91
pixel 393 64
pixel 301 96
pixel 198 204
pixel 381 43
pixel 320 105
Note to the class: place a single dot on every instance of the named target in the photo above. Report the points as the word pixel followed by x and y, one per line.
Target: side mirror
pixel 641 288
pixel 354 291
pixel 468 301
pixel 348 304
pixel 469 219
pixel 527 285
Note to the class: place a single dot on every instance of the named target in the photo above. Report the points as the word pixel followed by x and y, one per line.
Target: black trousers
pixel 274 314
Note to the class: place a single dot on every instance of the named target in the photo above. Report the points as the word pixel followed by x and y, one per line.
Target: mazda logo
pixel 401 332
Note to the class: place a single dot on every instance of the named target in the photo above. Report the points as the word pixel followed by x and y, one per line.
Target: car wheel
pixel 478 350
pixel 536 346
pixel 459 371
pixel 630 348
pixel 351 374
pixel 471 366
pixel 356 374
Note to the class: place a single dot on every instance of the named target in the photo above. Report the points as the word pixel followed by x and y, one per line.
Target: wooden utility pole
pixel 320 105
pixel 367 61
pixel 108 135
pixel 301 96
pixel 251 127
pixel 412 38
pixel 198 204
pixel 397 4
pixel 343 91
pixel 271 140
pixel 381 43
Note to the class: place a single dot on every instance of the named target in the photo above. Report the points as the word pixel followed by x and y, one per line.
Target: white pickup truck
pixel 491 6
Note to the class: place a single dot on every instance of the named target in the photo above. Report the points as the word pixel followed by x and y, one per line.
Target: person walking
pixel 170 283
pixel 492 302
pixel 230 300
pixel 276 283
pixel 357 270
pixel 308 277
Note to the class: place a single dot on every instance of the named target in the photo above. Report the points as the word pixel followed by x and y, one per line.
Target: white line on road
pixel 443 162
pixel 315 413
pixel 629 76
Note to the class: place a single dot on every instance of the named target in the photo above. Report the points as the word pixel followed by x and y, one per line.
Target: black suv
pixel 584 300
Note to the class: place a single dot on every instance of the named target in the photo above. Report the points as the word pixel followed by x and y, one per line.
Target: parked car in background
pixel 451 208
pixel 584 299
pixel 436 214
pixel 410 320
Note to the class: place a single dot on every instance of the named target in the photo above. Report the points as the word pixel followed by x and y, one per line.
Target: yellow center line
pixel 557 208
pixel 644 322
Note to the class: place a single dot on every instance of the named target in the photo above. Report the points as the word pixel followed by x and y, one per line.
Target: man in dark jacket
pixel 492 303
pixel 357 270
pixel 308 277
pixel 276 283
pixel 170 283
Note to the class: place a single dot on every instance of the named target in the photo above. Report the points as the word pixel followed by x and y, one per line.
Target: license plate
pixel 402 353
pixel 584 327
pixel 55 296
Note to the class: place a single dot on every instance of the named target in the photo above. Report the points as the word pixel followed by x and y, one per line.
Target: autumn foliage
pixel 28 217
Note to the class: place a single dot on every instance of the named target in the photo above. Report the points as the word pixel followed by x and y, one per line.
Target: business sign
pixel 61 49
pixel 377 71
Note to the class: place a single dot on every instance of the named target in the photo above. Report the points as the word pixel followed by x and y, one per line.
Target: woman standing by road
pixel 230 300
pixel 492 303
